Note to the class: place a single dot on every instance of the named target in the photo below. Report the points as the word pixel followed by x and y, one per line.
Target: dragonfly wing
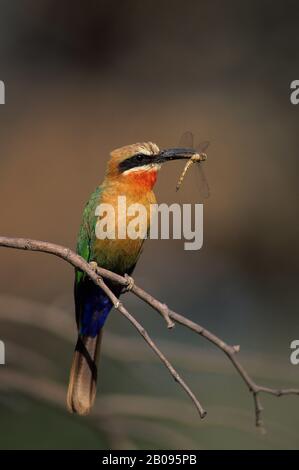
pixel 203 184
pixel 187 140
pixel 202 147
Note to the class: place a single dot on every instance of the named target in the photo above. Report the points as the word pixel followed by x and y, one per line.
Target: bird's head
pixel 139 163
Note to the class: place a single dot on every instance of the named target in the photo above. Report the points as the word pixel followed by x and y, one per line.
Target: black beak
pixel 168 155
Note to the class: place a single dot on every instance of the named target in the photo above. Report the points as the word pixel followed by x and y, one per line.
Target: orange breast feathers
pixel 136 187
pixel 120 251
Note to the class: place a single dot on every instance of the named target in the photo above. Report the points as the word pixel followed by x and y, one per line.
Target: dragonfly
pixel 187 141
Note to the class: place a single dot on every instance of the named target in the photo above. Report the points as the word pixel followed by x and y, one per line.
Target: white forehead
pixel 148 148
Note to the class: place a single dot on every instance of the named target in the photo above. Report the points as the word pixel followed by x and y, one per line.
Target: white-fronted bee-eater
pixel 131 172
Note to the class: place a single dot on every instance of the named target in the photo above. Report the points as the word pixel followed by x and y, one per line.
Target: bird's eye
pixel 139 157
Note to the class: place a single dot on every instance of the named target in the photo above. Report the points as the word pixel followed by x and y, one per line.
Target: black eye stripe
pixel 139 159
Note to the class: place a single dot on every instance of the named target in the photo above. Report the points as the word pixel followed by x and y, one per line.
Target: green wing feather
pixel 87 230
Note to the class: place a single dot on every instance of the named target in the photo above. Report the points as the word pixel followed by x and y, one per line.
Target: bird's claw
pixel 130 283
pixel 93 265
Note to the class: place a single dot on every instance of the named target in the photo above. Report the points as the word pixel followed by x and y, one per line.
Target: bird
pixel 131 172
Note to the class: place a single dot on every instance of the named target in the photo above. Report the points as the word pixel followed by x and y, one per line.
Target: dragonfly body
pixel 196 158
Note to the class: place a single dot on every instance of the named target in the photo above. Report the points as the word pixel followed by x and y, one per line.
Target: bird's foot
pixel 93 265
pixel 130 283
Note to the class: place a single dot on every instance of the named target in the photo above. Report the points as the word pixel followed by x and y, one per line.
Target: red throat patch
pixel 143 179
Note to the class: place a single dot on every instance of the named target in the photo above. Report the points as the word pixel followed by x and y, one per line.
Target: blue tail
pixel 92 307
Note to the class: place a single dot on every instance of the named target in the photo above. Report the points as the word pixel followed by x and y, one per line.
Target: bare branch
pixel 96 274
pixel 78 262
pixel 229 350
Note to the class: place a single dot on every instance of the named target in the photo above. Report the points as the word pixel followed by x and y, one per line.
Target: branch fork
pixel 98 274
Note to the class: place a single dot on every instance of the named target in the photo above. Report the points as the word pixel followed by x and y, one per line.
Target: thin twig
pixel 78 262
pixel 229 350
pixel 97 274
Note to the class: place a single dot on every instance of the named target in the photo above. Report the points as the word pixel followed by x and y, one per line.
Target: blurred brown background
pixel 84 78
